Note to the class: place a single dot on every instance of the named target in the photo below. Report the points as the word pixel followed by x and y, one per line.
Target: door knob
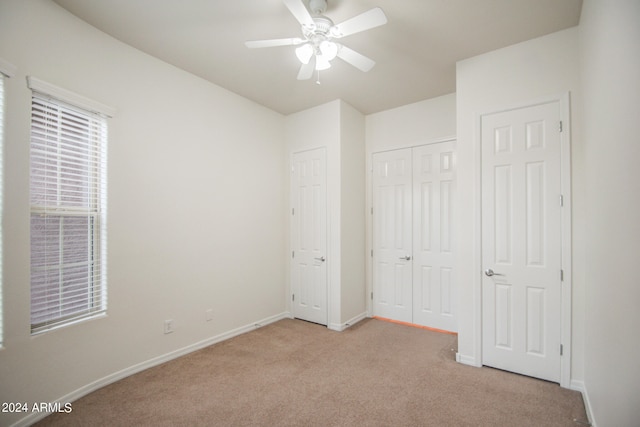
pixel 406 258
pixel 321 259
pixel 489 272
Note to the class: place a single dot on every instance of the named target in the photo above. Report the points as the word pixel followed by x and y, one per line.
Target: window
pixel 68 212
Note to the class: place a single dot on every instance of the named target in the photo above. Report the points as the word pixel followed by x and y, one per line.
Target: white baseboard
pixel 578 385
pixel 466 360
pixel 342 326
pixel 116 376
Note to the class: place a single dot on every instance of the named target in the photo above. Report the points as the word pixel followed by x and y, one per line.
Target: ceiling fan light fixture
pixel 322 63
pixel 329 50
pixel 304 53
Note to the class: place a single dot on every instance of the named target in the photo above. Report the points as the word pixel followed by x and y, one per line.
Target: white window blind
pixel 68 213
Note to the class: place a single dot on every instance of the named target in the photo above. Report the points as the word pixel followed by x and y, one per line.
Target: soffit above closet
pixel 415 52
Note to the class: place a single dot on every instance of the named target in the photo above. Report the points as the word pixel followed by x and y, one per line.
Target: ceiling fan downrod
pixel 318 6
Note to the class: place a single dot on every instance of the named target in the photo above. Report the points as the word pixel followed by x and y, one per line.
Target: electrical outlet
pixel 209 315
pixel 168 326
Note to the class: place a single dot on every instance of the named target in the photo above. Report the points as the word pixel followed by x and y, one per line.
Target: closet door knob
pixel 489 272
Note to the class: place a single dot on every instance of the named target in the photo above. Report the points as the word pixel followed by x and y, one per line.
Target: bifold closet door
pixel 392 229
pixel 413 270
pixel 434 296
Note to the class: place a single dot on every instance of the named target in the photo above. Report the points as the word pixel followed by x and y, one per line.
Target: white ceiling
pixel 415 52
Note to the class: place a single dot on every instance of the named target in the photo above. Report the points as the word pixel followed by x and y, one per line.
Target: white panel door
pixel 309 236
pixel 434 294
pixel 521 246
pixel 392 276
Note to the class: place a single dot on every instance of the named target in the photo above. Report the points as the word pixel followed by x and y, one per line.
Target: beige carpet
pixel 294 373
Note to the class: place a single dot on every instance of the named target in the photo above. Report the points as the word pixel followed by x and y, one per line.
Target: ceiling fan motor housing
pixel 320 34
pixel 322 27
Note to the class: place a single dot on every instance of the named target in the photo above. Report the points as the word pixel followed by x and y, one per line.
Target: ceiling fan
pixel 317 48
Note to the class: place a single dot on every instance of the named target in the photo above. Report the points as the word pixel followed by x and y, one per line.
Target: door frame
pixel 563 100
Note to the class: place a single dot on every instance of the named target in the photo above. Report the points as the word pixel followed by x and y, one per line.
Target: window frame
pixel 7 70
pixel 56 108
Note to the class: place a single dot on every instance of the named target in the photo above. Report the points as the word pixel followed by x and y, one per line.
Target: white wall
pixel 352 203
pixel 340 128
pixel 413 124
pixel 196 194
pixel 610 60
pixel 306 130
pixel 516 75
pixel 410 125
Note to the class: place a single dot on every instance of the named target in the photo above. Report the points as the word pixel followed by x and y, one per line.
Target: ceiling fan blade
pixel 300 12
pixel 274 42
pixel 365 21
pixel 306 71
pixel 356 59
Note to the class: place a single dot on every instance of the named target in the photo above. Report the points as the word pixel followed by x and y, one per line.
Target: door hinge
pixel 560 127
pixel 561 349
pixel 293 211
pixel 371 296
pixel 293 254
pixel 371 253
pixel 371 210
pixel 561 200
pixel 562 275
pixel 293 297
